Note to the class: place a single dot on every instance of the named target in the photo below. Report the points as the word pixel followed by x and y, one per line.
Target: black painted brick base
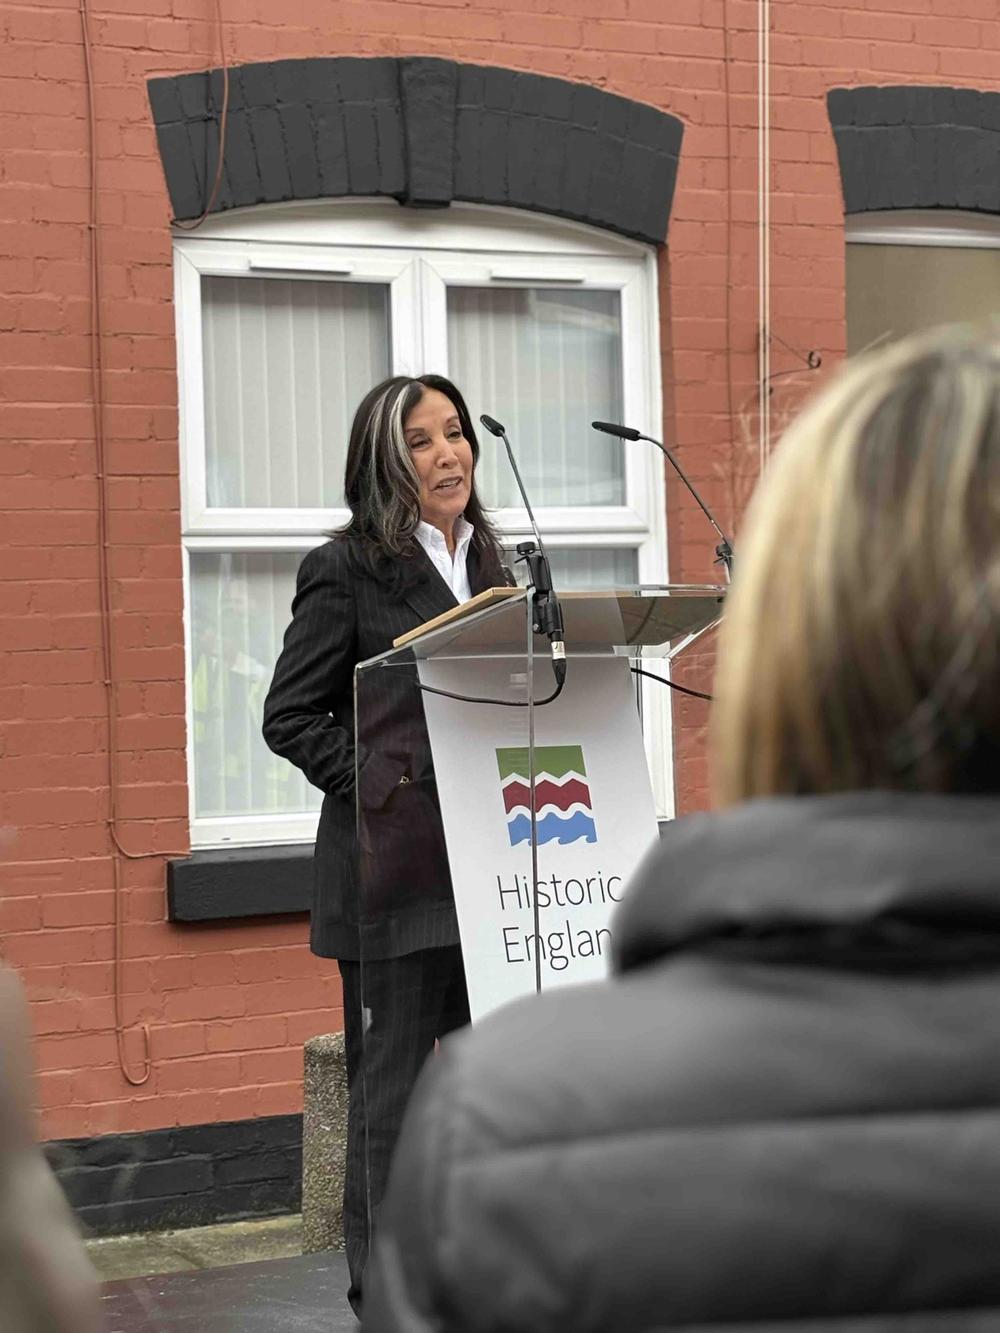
pixel 189 1176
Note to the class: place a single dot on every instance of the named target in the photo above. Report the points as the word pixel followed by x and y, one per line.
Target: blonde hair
pixel 861 644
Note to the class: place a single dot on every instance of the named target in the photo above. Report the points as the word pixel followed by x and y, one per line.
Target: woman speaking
pixel 418 542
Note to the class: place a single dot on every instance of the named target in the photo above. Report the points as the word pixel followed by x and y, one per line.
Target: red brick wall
pixel 228 1008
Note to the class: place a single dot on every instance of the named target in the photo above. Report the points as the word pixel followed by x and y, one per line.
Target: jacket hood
pixel 873 879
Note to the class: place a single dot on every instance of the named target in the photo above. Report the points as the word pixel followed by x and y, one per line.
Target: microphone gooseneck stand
pixel 723 551
pixel 547 619
pixel 546 611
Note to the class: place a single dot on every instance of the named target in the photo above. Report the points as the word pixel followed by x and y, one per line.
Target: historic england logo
pixel 564 811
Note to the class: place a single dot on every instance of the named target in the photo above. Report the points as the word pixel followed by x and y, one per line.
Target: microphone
pixel 724 550
pixel 545 604
pixel 611 428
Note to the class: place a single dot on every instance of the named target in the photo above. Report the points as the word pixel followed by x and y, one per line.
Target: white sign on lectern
pixel 595 820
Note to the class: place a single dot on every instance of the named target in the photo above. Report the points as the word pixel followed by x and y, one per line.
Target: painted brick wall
pixel 229 1008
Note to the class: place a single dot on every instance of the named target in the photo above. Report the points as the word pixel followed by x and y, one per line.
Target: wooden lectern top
pixel 478 603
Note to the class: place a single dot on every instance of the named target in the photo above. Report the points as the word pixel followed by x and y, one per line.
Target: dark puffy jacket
pixel 783 1112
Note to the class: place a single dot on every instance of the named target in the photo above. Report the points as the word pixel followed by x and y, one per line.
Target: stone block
pixel 324 1143
pixel 429 89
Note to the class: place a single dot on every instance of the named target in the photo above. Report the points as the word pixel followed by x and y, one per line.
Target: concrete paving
pixel 305 1294
pixel 196 1248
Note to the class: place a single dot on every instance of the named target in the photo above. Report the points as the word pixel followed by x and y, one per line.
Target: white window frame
pixel 419 254
pixel 950 228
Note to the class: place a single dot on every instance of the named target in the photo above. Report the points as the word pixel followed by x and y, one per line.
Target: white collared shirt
pixel 454 571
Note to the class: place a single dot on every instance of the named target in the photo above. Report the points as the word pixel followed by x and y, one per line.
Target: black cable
pixel 540 703
pixel 672 684
pixel 498 703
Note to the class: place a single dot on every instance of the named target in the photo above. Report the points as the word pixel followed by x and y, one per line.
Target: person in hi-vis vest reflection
pixel 418 542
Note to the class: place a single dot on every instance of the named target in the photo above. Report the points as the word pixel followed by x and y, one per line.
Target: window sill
pixel 235 883
pixel 239 882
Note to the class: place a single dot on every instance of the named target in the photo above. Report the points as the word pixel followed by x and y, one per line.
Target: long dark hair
pixel 380 481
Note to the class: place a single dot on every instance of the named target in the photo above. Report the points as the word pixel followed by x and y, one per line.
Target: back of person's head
pixel 861 644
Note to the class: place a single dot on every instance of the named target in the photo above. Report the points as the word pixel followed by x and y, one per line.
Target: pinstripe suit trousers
pixel 394 1011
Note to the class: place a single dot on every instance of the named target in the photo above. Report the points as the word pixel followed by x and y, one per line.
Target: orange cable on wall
pixel 223 121
pixel 104 580
pixel 118 849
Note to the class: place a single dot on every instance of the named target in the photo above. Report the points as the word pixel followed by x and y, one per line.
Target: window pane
pixel 239 609
pixel 893 290
pixel 599 567
pixel 286 363
pixel 547 363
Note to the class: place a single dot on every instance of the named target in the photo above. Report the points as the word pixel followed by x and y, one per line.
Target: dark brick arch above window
pixel 917 147
pixel 423 131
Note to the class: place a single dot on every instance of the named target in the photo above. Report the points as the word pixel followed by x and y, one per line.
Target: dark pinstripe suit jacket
pixel 391 894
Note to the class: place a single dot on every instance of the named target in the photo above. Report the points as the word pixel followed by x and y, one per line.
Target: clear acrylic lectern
pixel 507 827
